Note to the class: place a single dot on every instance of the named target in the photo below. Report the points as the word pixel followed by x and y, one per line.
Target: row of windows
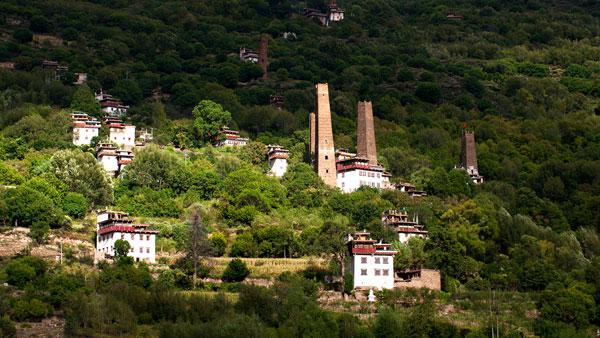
pixel 378 272
pixel 369 174
pixel 378 260
pixel 110 236
pixel 141 250
pixel 371 184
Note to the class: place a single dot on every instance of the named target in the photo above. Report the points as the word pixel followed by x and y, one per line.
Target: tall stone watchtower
pixel 365 132
pixel 468 156
pixel 324 149
pixel 263 55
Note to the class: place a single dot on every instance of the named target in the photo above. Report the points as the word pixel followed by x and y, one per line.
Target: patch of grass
pixel 266 267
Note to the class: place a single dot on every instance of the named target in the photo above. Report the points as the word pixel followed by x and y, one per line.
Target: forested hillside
pixel 523 75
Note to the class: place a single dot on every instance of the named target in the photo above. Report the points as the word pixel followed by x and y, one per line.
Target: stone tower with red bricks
pixel 468 156
pixel 263 55
pixel 365 132
pixel 324 150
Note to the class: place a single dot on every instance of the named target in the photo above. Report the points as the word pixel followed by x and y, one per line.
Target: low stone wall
pixel 429 279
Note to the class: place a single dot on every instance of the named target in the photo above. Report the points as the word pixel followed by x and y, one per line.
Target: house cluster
pixel 333 14
pixel 350 171
pixel 112 226
pixel 117 151
pixel 372 261
pixel 340 168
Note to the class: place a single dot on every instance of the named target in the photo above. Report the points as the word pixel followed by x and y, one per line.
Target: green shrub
pixel 7 327
pixel 75 204
pixel 33 309
pixel 348 283
pixel 236 271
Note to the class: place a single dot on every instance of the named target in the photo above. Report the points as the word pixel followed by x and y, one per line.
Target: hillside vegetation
pixel 524 75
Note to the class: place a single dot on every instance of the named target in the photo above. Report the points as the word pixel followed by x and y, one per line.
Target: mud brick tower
pixel 325 165
pixel 468 156
pixel 263 58
pixel 366 146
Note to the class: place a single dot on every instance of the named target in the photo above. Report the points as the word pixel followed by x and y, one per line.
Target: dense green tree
pixel 82 174
pixel 209 119
pixel 83 100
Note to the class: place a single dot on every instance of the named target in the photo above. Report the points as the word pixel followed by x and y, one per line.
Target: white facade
pixel 112 226
pixel 122 135
pixel 372 263
pixel 373 271
pixel 106 154
pixel 83 134
pixel 350 180
pixel 278 166
pixel 143 245
pixel 278 160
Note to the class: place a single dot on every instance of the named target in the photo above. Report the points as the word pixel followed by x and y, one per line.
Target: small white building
pixel 122 135
pixel 124 157
pixel 85 128
pixel 112 226
pixel 80 78
pixel 111 106
pixel 406 229
pixel 372 263
pixel 409 189
pixel 230 138
pixel 248 55
pixel 106 154
pixel 278 160
pixel 355 172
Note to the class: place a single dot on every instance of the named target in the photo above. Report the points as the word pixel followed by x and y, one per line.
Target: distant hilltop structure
pixel 110 105
pixel 261 57
pixel 230 138
pixel 333 14
pixel 324 151
pixel 278 159
pixel 85 128
pixel 468 156
pixel 404 227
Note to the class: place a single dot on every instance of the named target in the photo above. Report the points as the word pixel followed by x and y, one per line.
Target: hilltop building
pixel 278 159
pixel 230 138
pixel 146 135
pixel 112 226
pixel 111 106
pixel 410 189
pixel 333 14
pixel 277 101
pixel 362 169
pixel 106 154
pixel 324 159
pixel 372 263
pixel 122 135
pixel 468 156
pixel 248 55
pixel 85 128
pixel 406 229
pixel 80 78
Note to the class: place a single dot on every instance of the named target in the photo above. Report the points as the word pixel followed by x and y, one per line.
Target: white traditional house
pixel 372 263
pixel 85 128
pixel 355 172
pixel 111 106
pixel 112 226
pixel 230 138
pixel 406 229
pixel 278 158
pixel 106 154
pixel 122 134
pixel 248 55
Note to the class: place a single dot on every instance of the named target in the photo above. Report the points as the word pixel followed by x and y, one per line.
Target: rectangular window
pixel 363 272
pixel 132 237
pixel 363 260
pixel 141 249
pixel 147 250
pixel 386 272
pixel 385 260
pixel 377 272
pixel 147 237
pixel 377 259
pixel 122 236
